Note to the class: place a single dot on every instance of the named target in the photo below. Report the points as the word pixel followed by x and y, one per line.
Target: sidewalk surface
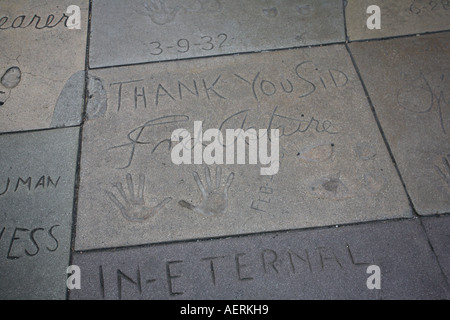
pixel 358 206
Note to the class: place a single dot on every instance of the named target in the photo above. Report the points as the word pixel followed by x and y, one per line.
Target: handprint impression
pixel 214 198
pixel 133 207
pixel 444 173
pixel 161 13
pixel 158 13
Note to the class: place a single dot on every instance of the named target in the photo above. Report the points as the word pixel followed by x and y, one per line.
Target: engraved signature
pixel 418 97
pixel 135 135
pixel 287 126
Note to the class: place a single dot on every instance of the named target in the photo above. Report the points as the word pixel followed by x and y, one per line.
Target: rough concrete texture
pixel 334 166
pixel 318 264
pixel 37 177
pixel 410 91
pixel 38 56
pixel 398 18
pixel 127 32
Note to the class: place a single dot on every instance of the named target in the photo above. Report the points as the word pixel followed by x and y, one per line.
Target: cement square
pixel 334 165
pixel 328 263
pixel 129 32
pixel 37 177
pixel 41 64
pixel 397 18
pixel 407 80
pixel 438 231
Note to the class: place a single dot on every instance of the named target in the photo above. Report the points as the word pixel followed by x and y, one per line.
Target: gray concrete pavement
pixel 93 173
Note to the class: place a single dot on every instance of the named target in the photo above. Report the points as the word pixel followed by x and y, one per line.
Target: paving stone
pixel 327 263
pixel 40 61
pixel 438 231
pixel 410 91
pixel 127 32
pixel 334 166
pixel 37 179
pixel 397 17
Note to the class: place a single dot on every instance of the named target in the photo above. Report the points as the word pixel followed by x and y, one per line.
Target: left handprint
pixel 133 206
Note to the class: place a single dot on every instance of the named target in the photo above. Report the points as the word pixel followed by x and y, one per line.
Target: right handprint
pixel 214 197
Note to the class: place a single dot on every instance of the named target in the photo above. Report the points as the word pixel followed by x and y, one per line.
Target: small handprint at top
pixel 159 13
pixel 133 207
pixel 214 197
pixel 301 9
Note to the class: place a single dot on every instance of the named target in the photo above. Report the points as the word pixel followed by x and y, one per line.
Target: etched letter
pixel 7 187
pixel 54 238
pixel 211 266
pixel 158 94
pixel 170 276
pixel 14 238
pixel 25 182
pixel 272 262
pixel 50 181
pixel 121 275
pixel 40 183
pixel 239 267
pixel 34 242
pixel 211 89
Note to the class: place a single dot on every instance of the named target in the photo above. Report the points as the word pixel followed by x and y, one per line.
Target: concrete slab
pixel 42 59
pixel 438 231
pixel 37 179
pixel 128 32
pixel 397 17
pixel 407 80
pixel 315 264
pixel 334 167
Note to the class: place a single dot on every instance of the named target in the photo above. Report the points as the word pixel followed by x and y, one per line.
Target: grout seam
pixel 237 236
pixel 80 139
